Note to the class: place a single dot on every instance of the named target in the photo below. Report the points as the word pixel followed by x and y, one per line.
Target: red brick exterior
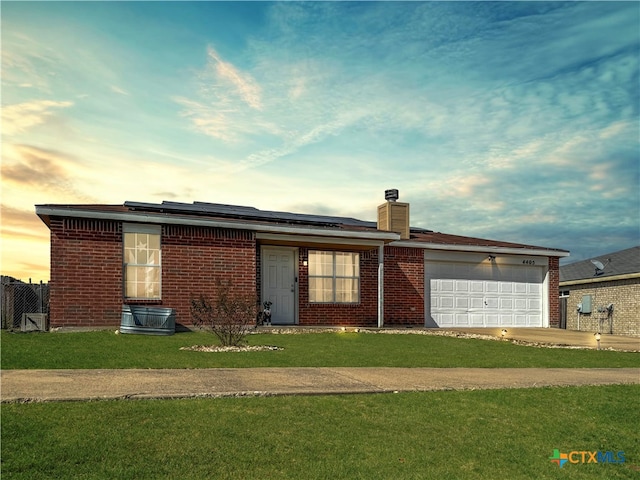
pixel 87 276
pixel 86 273
pixel 194 259
pixel 554 285
pixel 403 286
pixel 362 314
pixel 87 269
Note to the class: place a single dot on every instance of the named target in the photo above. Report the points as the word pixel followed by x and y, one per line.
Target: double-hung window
pixel 142 265
pixel 334 277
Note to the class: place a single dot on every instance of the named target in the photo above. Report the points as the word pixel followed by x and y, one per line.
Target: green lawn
pixel 492 434
pixel 104 349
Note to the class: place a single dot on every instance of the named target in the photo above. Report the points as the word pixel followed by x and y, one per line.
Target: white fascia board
pixel 627 276
pixel 351 240
pixel 376 237
pixel 480 248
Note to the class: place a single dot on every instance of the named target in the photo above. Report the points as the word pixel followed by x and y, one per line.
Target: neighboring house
pixel 602 294
pixel 317 270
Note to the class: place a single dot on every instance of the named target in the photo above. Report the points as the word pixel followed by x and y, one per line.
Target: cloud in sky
pixel 23 116
pixel 508 120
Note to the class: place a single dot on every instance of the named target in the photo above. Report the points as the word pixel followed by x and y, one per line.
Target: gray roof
pixel 282 222
pixel 622 262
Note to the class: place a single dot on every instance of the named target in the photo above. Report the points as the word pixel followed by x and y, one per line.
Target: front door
pixel 279 283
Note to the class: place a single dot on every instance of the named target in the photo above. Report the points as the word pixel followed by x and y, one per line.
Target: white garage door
pixel 484 294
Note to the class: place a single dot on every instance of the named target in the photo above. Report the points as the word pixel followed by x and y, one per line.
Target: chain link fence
pixel 24 305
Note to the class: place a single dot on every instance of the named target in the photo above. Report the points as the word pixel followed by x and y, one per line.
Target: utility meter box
pixel 586 304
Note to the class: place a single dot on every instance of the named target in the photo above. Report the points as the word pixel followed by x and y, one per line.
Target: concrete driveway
pixel 559 337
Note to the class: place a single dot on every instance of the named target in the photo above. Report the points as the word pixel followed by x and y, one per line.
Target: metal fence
pixel 19 298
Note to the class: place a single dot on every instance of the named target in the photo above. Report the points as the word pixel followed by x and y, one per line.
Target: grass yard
pixel 489 434
pixel 104 349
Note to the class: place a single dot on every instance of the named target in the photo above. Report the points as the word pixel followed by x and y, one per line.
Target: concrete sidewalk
pixel 83 385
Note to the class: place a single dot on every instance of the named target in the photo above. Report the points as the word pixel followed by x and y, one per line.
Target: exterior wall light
pixel 597 335
pixel 492 258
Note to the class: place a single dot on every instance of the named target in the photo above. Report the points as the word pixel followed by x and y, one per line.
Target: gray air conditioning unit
pixel 34 322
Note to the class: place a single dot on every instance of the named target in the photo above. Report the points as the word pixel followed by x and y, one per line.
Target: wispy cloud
pixel 118 90
pixel 241 83
pixel 21 224
pixel 228 101
pixel 28 167
pixel 23 116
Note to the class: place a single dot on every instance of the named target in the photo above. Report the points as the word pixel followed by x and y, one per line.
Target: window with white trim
pixel 142 265
pixel 334 277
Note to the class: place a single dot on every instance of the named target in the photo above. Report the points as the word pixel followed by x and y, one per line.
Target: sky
pixel 513 121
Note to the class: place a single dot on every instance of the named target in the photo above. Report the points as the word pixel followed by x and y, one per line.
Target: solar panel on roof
pixel 237 211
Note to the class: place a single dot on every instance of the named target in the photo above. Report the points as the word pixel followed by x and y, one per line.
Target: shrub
pixel 229 316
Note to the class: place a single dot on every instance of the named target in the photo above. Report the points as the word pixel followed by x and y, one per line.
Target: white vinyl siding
pixel 334 277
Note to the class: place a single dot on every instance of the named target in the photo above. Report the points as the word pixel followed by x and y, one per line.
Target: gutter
pixel 612 278
pixel 178 220
pixel 482 249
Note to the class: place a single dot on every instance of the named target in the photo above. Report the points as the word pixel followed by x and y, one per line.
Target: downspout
pixel 381 285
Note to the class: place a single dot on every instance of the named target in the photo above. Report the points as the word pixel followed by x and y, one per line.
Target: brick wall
pixel 194 259
pixel 623 294
pixel 364 313
pixel 87 271
pixel 403 286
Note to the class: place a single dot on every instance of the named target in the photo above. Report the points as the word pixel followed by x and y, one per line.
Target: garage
pixel 484 290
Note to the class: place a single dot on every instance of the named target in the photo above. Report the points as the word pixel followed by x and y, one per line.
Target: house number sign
pixel 528 262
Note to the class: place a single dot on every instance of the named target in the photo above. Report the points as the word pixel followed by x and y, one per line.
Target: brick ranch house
pixel 317 270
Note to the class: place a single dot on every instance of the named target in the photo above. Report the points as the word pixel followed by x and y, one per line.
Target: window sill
pixel 142 301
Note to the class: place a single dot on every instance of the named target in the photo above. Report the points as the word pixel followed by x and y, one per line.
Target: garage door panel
pixel 477 302
pixel 445 319
pixel 484 295
pixel 447 285
pixel 506 319
pixel 534 320
pixel 461 302
pixel 447 302
pixel 506 303
pixel 506 287
pixel 520 288
pixel 520 303
pixel 520 320
pixel 491 287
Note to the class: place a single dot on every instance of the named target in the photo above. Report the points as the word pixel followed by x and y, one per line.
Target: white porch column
pixel 381 286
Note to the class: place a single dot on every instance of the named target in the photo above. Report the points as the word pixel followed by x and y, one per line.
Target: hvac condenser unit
pixel 34 322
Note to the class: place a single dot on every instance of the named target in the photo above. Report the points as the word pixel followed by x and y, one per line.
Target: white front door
pixel 279 283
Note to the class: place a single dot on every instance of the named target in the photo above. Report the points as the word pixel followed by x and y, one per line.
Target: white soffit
pixel 375 236
pixel 481 249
